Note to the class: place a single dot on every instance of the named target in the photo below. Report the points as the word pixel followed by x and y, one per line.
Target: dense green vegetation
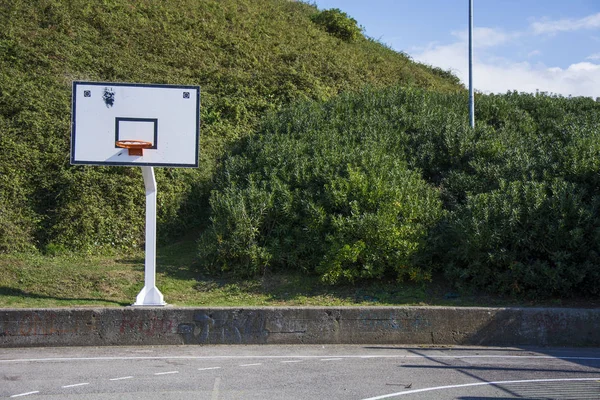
pixel 323 186
pixel 394 183
pixel 323 153
pixel 248 56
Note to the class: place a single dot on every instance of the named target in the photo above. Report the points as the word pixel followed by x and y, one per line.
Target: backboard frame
pixel 78 114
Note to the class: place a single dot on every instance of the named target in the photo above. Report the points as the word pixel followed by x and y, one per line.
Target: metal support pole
pixel 471 97
pixel 150 295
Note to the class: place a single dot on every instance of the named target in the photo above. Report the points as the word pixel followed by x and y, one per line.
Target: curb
pixel 300 325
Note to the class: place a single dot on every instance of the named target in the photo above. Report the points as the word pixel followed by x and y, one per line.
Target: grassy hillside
pixel 250 57
pixel 394 184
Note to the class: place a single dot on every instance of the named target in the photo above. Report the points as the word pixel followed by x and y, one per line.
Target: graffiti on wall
pixel 146 325
pixel 376 320
pixel 225 327
pixel 47 323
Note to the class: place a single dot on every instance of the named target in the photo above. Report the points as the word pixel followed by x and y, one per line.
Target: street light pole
pixel 471 98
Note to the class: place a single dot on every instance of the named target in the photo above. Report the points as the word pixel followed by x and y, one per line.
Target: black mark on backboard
pixel 186 95
pixel 87 93
pixel 109 97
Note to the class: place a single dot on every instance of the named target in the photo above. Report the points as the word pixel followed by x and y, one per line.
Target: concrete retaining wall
pixel 300 325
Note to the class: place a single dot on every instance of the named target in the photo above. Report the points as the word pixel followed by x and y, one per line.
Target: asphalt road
pixel 299 372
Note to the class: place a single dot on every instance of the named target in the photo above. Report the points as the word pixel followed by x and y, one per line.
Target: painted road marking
pixel 430 389
pixel 75 385
pixel 458 356
pixel 24 394
pixel 121 378
pixel 215 392
pixel 299 358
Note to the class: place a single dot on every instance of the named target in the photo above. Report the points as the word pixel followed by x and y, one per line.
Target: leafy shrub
pixel 523 201
pixel 15 237
pixel 315 191
pixel 339 24
pixel 17 219
pixel 321 189
pixel 446 74
pixel 533 238
pixel 383 217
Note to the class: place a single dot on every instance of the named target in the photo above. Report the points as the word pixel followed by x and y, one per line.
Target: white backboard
pixel 168 116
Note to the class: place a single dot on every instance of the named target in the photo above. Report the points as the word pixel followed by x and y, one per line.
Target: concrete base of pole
pixel 150 296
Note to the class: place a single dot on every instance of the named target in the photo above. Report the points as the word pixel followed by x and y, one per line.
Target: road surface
pixel 299 372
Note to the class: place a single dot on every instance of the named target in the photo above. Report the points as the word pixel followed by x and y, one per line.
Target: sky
pixel 525 45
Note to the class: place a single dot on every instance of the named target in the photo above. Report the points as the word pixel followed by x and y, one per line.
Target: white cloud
pixel 486 37
pixel 582 79
pixel 499 75
pixel 566 25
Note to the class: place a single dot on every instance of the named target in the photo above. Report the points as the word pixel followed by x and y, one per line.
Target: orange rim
pixel 133 144
pixel 134 147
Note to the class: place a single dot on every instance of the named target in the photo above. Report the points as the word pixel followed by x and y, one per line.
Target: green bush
pixel 382 218
pixel 339 24
pixel 533 238
pixel 318 189
pixel 321 189
pixel 522 199
pixel 446 74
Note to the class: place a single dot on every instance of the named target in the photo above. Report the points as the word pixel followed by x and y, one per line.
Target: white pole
pixel 150 295
pixel 471 98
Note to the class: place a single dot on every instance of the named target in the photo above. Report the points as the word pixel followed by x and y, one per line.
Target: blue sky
pixel 523 45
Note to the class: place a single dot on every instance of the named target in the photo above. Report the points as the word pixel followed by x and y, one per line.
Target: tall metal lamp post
pixel 471 98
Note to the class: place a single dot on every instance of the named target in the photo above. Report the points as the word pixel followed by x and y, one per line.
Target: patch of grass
pixel 64 280
pixel 34 280
pixel 113 280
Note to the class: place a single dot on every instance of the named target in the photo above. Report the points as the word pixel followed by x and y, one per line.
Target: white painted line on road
pixel 24 394
pixel 503 356
pixel 207 369
pixel 331 359
pixel 249 365
pixel 75 385
pixel 167 373
pixel 215 392
pixel 430 389
pixel 399 356
pixel 121 378
pixel 292 361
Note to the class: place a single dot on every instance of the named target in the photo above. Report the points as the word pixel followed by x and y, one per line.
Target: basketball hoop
pixel 135 147
pixel 109 117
